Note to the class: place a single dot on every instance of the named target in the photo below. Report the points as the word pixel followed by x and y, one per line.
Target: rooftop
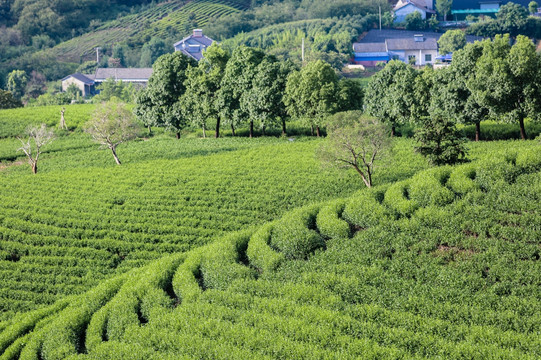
pixel 142 74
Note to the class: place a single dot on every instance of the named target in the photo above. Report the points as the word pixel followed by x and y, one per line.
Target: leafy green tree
pixel 108 89
pixel 238 77
pixel 414 21
pixel 111 125
pixel 507 79
pixel 159 104
pixel 16 83
pixel 152 50
pixel 443 7
pixel 451 41
pixel 264 101
pixel 350 95
pixel 8 101
pixel 440 141
pixel 453 97
pixel 390 94
pixel 313 93
pixel 202 84
pixel 532 7
pixel 512 17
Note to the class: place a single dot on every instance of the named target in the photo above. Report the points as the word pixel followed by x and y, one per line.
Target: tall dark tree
pixel 390 94
pixel 202 84
pixel 264 101
pixel 313 93
pixel 238 76
pixel 508 81
pixel 159 104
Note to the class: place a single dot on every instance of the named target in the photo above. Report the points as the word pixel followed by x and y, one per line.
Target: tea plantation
pixel 241 248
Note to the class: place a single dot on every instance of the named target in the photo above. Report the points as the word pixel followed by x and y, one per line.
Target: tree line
pixel 489 79
pixel 244 88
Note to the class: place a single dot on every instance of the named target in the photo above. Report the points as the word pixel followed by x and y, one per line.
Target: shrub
pixel 427 187
pixel 260 254
pixel 529 160
pixel 365 209
pixel 329 221
pixel 462 179
pixel 294 236
pixel 397 198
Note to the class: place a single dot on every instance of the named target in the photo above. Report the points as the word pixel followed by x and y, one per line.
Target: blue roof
pixel 372 58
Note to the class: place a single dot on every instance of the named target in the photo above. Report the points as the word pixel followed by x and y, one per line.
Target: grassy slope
pixel 442 265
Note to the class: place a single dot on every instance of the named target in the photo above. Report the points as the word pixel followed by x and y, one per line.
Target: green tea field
pixel 238 248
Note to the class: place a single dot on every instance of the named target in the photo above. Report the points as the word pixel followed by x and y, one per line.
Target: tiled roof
pixel 194 45
pixel 86 79
pixel 142 74
pixel 411 44
pixel 369 47
pixel 379 36
pixel 417 4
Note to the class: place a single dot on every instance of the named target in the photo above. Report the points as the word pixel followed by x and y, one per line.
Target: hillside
pixel 442 264
pixel 161 20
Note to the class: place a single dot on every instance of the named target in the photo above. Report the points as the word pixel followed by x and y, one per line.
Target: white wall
pixel 401 13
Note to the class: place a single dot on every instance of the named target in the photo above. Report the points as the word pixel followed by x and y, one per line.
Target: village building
pixel 462 8
pixel 88 83
pixel 194 45
pixel 412 47
pixel 405 7
pixel 85 83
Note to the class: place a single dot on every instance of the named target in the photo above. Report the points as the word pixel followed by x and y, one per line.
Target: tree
pixel 512 17
pixel 202 83
pixel 16 84
pixel 313 93
pixel 355 141
pixel 390 94
pixel 238 76
pixel 159 104
pixel 264 100
pixel 451 41
pixel 440 141
pixel 414 21
pixel 453 97
pixel 507 79
pixel 152 50
pixel 443 7
pixel 7 101
pixel 38 137
pixel 532 7
pixel 111 125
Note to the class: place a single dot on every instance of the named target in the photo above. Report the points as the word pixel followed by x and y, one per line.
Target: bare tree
pixel 355 141
pixel 111 125
pixel 37 138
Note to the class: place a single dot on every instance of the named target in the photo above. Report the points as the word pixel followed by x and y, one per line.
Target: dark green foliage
pixel 7 101
pixel 511 19
pixel 451 41
pixel 414 21
pixel 440 141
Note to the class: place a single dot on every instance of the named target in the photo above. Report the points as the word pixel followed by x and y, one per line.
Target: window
pixel 428 57
pixel 412 60
pixel 395 57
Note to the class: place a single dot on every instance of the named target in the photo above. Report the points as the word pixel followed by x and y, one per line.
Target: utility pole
pixel 303 50
pixel 380 18
pixel 98 55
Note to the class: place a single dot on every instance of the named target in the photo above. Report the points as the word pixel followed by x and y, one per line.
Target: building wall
pixel 80 85
pixel 420 56
pixel 400 14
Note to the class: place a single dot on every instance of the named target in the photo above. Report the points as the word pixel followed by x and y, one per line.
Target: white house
pixel 405 7
pixel 194 45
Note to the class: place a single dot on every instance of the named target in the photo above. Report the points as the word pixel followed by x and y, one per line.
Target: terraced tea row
pixel 63 231
pixel 155 21
pixel 442 265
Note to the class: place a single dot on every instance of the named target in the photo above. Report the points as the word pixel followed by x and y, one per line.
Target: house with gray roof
pixel 419 48
pixel 88 83
pixel 131 75
pixel 194 45
pixel 406 7
pixel 85 83
pixel 462 8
